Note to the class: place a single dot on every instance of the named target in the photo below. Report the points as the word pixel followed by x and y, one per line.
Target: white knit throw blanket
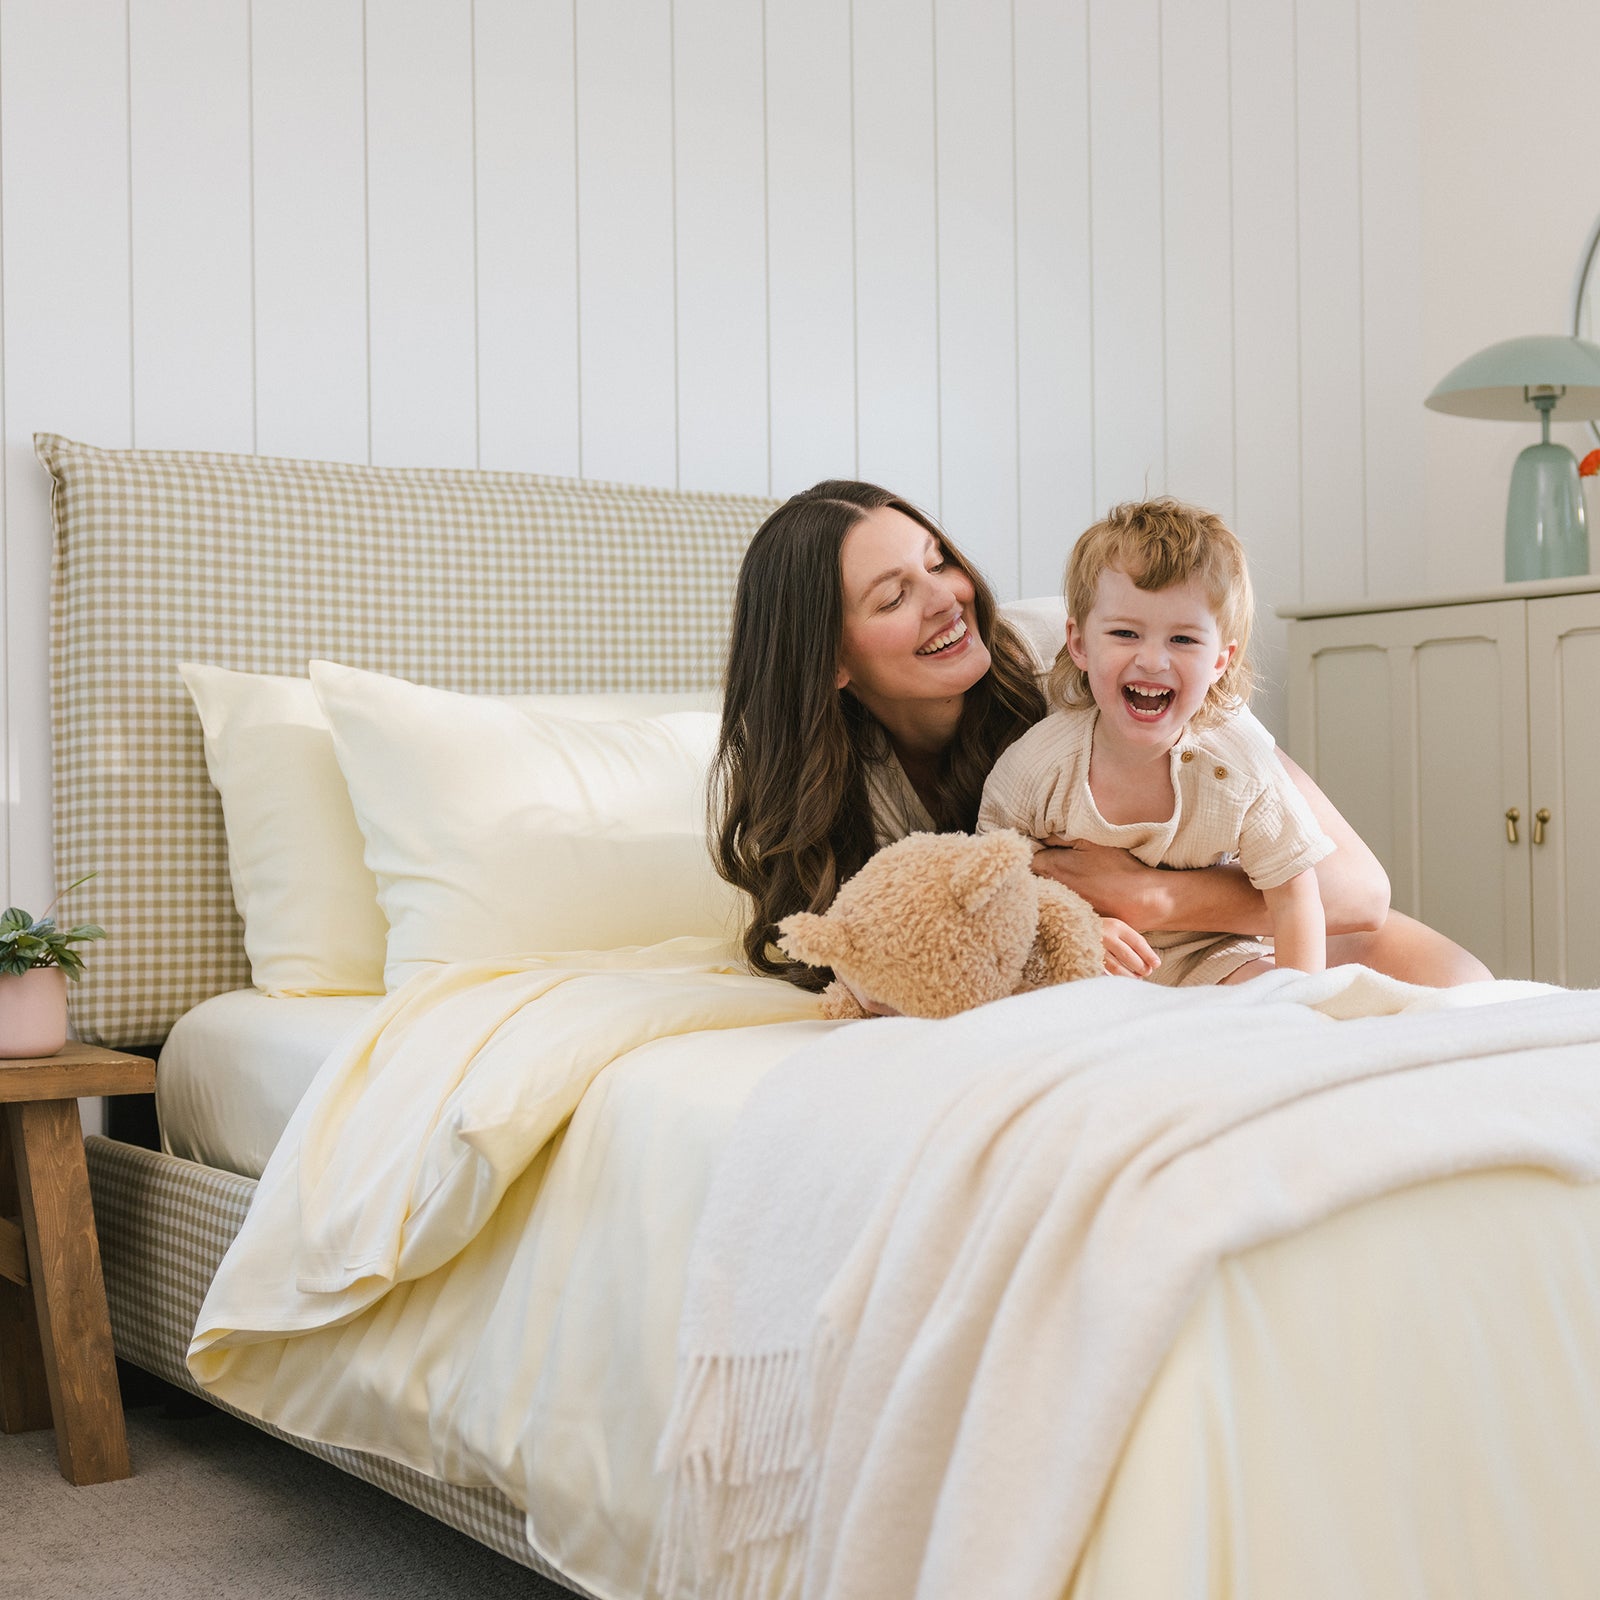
pixel 942 1261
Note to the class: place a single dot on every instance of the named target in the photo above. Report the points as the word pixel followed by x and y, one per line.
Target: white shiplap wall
pixel 1017 261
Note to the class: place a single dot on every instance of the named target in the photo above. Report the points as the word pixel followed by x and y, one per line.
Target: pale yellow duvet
pixel 442 1269
pixel 539 1356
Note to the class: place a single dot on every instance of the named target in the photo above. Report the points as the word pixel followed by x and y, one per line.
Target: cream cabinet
pixel 1461 739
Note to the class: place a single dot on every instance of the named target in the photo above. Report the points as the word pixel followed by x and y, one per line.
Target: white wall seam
pixel 677 348
pixel 1088 160
pixel 938 305
pixel 366 208
pixel 577 227
pixel 7 754
pixel 1299 318
pixel 1361 301
pixel 855 254
pixel 766 233
pixel 1161 170
pixel 1233 278
pixel 250 158
pixel 477 253
pixel 1016 301
pixel 133 321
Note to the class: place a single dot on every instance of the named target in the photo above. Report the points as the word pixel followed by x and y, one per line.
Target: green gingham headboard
pixel 485 582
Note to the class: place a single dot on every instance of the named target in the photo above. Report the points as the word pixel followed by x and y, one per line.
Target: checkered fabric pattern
pixel 483 582
pixel 164 1226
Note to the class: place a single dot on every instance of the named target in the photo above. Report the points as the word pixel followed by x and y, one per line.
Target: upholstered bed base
pixel 164 1225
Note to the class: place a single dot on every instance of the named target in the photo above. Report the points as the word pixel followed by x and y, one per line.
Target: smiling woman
pixel 870 687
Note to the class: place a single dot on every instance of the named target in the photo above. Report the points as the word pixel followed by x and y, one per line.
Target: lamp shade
pixel 1496 382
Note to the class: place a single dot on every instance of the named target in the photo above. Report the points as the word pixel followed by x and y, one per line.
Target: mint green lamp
pixel 1559 379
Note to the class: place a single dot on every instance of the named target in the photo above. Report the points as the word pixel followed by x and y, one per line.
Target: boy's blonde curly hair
pixel 1159 543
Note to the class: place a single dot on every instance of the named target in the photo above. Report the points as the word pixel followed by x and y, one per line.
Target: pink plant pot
pixel 33 1012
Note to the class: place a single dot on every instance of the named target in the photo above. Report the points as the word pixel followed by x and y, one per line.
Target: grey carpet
pixel 219 1511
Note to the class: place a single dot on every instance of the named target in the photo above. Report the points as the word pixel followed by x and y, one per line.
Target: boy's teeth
pixel 1147 700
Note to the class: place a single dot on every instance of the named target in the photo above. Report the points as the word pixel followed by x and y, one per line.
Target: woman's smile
pixel 948 640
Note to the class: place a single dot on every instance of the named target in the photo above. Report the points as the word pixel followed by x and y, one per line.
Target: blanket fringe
pixel 741 1446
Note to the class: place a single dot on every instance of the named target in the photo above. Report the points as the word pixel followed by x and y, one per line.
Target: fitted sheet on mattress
pixel 234 1068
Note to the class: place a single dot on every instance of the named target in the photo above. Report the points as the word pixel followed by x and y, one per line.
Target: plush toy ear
pixel 993 858
pixel 819 941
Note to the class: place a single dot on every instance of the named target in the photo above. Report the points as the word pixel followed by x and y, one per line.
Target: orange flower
pixel 1590 464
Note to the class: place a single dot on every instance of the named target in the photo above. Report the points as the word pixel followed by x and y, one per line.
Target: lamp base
pixel 1546 534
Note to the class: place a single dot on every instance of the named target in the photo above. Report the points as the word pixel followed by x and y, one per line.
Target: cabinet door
pixel 1564 749
pixel 1414 723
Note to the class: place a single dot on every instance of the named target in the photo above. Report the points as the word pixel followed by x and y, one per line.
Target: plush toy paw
pixel 839 1005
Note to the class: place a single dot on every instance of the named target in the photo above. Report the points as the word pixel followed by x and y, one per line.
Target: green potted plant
pixel 36 959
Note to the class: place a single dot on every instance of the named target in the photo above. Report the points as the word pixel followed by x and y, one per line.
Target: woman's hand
pixel 1127 953
pixel 1115 883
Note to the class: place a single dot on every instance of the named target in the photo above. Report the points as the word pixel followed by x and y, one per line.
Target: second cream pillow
pixel 495 830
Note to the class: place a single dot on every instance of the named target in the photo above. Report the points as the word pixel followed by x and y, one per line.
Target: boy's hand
pixel 1127 953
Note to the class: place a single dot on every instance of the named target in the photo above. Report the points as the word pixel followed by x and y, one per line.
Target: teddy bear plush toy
pixel 941 922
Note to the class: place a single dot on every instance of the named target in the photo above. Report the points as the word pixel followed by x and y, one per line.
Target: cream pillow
pixel 494 829
pixel 1042 622
pixel 312 921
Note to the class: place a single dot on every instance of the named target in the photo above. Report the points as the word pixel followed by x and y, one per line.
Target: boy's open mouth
pixel 1148 701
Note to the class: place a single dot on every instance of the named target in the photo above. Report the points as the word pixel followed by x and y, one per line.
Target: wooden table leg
pixel 24 1389
pixel 69 1291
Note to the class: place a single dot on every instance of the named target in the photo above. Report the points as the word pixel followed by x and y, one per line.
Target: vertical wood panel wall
pixel 1019 261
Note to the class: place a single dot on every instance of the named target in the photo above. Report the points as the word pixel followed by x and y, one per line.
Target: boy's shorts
pixel 1188 959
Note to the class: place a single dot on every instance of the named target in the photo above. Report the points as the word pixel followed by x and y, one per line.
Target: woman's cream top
pixel 897 808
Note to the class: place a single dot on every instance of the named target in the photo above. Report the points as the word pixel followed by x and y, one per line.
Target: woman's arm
pixel 1352 883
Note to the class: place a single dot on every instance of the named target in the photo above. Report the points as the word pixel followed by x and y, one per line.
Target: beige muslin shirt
pixel 1232 800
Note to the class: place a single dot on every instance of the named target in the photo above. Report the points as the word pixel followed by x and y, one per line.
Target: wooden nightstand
pixel 56 1361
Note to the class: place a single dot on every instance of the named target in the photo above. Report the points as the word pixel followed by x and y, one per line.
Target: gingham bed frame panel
pixel 164 1226
pixel 485 582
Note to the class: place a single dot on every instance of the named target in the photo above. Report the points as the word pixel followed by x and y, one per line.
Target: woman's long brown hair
pixel 790 819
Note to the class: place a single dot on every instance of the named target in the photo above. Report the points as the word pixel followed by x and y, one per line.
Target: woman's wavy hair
pixel 1159 543
pixel 790 820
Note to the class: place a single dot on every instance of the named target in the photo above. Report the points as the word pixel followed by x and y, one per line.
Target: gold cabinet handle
pixel 1513 817
pixel 1540 817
